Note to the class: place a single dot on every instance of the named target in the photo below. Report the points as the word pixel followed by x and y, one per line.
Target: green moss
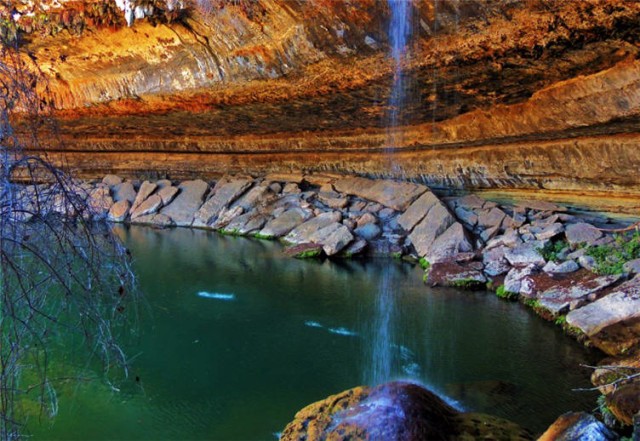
pixel 307 254
pixel 232 232
pixel 504 294
pixel 611 258
pixel 551 251
pixel 532 303
pixel 397 255
pixel 561 320
pixel 467 283
pixel 424 263
pixel 263 236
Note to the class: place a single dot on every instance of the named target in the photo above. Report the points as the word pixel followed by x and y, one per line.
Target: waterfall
pixel 384 351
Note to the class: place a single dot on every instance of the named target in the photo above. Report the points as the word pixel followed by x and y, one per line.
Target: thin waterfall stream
pixel 385 351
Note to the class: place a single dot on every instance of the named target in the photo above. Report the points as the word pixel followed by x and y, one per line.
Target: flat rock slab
pixel 561 299
pixel 333 238
pixel 186 203
pixel 246 224
pixel 541 206
pixel 167 193
pixel 417 211
pixel 612 322
pixel 253 197
pixel 396 195
pixel 582 233
pixel 225 192
pixel 146 189
pixel 304 232
pixel 283 224
pixel 150 206
pixel 491 218
pixel 526 254
pixel 157 220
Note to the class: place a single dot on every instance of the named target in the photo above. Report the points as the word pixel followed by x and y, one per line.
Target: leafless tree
pixel 62 272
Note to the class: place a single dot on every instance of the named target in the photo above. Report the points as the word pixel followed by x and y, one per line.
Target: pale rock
pixel 471 202
pixel 450 243
pixel 111 180
pixel 436 222
pixel 392 194
pixel 467 217
pixel 167 193
pixel 333 238
pixel 224 193
pixel 150 206
pixel 582 233
pixel 568 266
pixel 510 238
pixel 365 219
pixel 417 211
pixel 283 224
pixel 632 266
pixel 491 218
pixel 550 231
pixel 560 299
pixel 514 278
pixel 119 211
pixel 146 189
pixel 526 254
pixel 304 232
pixel 124 191
pixel 183 207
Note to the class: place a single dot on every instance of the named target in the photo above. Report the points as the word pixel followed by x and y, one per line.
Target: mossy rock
pixel 304 251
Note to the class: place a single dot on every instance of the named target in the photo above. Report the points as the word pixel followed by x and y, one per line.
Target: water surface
pixel 235 338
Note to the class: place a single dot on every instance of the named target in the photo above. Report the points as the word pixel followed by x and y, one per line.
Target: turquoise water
pixel 234 338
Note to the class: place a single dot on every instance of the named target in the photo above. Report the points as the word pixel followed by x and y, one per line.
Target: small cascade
pixel 382 352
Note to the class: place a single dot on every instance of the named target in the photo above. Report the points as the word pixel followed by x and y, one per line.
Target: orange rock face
pixel 529 95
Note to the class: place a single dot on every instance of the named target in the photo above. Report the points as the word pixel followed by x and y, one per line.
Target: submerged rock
pixel 394 411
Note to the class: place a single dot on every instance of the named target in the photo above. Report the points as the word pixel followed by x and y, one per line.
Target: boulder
pixel 119 211
pixel 526 254
pixel 417 211
pixel 632 267
pixel 124 191
pixel 303 232
pixel 291 188
pixel 612 323
pixel 465 216
pixel 226 216
pixel 394 411
pixel 366 218
pixel 333 200
pixel 568 266
pixel 470 202
pixel 252 198
pixel 150 206
pixel 560 299
pixel 284 177
pixel 516 277
pixel 550 231
pixel 494 262
pixel 456 275
pixel 183 207
pixel 146 189
pixel 355 247
pixel 167 193
pixel 157 220
pixel 582 233
pixel 396 195
pixel 100 201
pixel 574 426
pixel 368 231
pixel 162 183
pixel 111 180
pixel 245 224
pixel 541 206
pixel 225 192
pixel 303 250
pixel 333 238
pixel 283 224
pixel 449 244
pixel 491 218
pixel 510 238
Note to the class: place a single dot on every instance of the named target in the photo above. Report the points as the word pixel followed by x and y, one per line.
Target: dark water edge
pixel 234 338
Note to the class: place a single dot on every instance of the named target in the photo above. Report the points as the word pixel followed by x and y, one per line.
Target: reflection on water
pixel 211 367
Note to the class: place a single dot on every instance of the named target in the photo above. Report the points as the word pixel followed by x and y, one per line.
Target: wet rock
pixel 150 206
pixel 305 231
pixel 568 266
pixel 245 224
pixel 284 223
pixel 455 274
pixel 124 191
pixel 558 300
pixel 167 193
pixel 226 216
pixel 333 238
pixel 304 250
pixel 394 411
pixel 354 248
pixel 575 426
pixel 417 211
pixel 146 189
pixel 224 193
pixel 186 203
pixel 111 180
pixel 157 220
pixel 368 231
pixel 526 254
pixel 396 195
pixel 119 211
pixel 582 233
pixel 612 323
